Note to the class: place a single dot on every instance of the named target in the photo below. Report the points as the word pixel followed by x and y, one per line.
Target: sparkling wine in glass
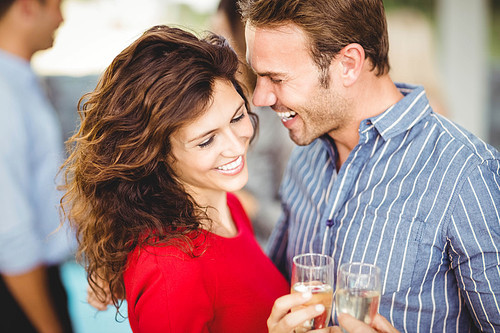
pixel 358 291
pixel 314 273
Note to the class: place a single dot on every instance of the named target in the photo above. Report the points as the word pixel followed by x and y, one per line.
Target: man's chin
pixel 300 141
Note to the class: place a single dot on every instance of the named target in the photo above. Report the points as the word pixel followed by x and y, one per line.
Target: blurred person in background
pixel 160 149
pixel 268 155
pixel 32 297
pixel 413 53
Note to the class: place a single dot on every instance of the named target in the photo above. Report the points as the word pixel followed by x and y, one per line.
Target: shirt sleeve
pixel 474 235
pixel 20 247
pixel 168 293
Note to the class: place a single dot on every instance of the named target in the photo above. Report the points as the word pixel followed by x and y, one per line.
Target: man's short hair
pixel 329 25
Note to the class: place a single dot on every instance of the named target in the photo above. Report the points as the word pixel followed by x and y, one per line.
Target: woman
pixel 162 143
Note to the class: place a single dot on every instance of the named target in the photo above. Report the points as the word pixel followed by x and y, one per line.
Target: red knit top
pixel 231 287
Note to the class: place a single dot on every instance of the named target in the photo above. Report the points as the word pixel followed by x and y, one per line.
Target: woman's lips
pixel 233 167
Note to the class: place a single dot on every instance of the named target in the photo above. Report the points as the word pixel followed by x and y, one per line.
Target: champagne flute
pixel 314 273
pixel 358 291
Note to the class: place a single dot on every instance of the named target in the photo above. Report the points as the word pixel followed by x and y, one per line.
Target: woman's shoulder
pixel 173 253
pixel 166 282
pixel 159 266
pixel 233 201
pixel 238 211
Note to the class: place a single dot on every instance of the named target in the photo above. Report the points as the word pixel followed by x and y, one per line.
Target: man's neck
pixel 370 98
pixel 13 37
pixel 12 47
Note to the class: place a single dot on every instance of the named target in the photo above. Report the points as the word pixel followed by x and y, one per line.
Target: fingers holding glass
pixel 282 320
pixel 313 273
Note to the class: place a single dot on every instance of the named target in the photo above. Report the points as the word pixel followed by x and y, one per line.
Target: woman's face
pixel 210 152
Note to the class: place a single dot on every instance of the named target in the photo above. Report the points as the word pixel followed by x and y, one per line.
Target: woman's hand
pixel 101 298
pixel 94 301
pixel 282 320
pixel 352 325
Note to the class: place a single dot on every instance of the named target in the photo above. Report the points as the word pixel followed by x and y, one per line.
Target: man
pixel 378 177
pixel 32 297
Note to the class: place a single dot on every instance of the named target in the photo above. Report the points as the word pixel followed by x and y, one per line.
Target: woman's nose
pixel 237 141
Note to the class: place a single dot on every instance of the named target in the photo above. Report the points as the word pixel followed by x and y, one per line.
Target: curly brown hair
pixel 121 192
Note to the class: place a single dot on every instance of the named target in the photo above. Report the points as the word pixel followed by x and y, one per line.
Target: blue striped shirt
pixel 419 197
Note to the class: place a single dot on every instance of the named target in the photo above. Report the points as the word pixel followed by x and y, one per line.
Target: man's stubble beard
pixel 328 114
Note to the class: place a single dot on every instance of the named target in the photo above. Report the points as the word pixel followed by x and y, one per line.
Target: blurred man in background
pixel 32 297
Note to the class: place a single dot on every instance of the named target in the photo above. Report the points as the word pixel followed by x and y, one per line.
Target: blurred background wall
pixel 458 61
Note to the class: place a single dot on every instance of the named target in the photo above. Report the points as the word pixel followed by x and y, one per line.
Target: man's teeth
pixel 232 165
pixel 285 116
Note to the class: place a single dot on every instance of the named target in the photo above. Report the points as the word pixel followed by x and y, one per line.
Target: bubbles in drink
pixel 360 304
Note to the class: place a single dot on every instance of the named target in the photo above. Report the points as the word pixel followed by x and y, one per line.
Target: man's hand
pixel 352 325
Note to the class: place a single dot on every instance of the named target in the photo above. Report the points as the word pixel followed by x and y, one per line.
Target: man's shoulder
pixel 464 142
pixel 7 89
pixel 11 95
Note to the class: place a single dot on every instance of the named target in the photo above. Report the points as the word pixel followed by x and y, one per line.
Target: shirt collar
pixel 403 115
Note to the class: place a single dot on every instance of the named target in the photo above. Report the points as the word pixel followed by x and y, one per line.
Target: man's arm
pixel 31 291
pixel 474 236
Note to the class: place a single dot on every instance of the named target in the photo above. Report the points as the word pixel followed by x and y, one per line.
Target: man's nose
pixel 263 94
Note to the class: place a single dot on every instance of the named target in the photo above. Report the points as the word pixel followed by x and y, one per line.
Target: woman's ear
pixel 351 59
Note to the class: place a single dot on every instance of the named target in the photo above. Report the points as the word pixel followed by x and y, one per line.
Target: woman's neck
pixel 221 222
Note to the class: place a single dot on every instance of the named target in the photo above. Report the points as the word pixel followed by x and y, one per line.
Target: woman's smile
pixel 233 167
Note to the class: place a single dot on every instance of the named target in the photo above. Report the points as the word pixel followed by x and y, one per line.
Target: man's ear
pixel 351 60
pixel 27 7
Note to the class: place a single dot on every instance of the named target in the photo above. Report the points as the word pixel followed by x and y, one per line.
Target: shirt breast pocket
pixel 392 243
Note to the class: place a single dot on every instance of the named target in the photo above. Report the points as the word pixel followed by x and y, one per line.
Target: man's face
pixel 288 82
pixel 47 18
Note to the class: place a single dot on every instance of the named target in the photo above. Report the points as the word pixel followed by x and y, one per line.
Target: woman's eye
pixel 240 117
pixel 206 143
pixel 276 80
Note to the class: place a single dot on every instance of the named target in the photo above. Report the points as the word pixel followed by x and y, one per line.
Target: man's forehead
pixel 286 29
pixel 271 44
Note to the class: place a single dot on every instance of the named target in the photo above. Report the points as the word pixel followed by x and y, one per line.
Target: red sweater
pixel 231 287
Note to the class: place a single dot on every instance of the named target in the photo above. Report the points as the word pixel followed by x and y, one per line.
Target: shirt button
pixel 330 222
